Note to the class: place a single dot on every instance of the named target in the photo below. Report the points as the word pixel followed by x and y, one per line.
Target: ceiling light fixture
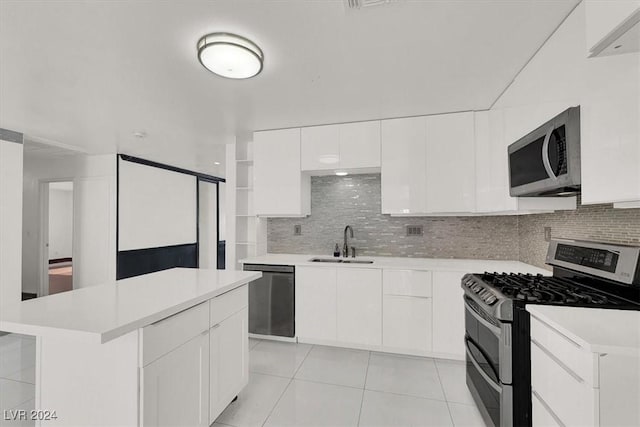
pixel 342 173
pixel 229 55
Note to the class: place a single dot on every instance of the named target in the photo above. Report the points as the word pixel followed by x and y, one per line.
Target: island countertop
pixel 102 313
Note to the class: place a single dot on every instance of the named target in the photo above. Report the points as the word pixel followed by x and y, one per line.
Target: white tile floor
pixel 17 376
pixel 303 385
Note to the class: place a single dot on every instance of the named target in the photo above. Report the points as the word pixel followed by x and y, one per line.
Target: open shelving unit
pixel 251 231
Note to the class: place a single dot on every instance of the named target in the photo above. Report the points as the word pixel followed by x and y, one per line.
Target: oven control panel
pixel 479 289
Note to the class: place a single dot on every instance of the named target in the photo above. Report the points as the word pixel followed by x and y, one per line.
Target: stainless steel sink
pixel 341 260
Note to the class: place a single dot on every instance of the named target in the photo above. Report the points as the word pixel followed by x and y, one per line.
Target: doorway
pixel 57 233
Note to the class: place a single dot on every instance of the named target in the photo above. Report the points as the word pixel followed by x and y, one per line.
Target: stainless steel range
pixel 585 274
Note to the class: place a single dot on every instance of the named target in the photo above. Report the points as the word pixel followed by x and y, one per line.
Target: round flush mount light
pixel 342 173
pixel 229 55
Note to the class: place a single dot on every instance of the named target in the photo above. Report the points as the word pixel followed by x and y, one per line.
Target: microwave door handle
pixel 545 154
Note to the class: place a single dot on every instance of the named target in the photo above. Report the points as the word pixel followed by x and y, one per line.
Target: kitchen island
pixel 164 348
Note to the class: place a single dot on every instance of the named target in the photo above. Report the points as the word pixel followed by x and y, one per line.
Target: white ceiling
pixel 90 73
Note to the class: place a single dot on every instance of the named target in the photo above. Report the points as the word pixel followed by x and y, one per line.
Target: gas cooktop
pixel 541 289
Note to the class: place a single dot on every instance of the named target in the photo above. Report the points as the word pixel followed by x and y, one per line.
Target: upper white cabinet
pixel 428 164
pixel 404 176
pixel 360 145
pixel 610 130
pixel 342 146
pixel 320 148
pixel 450 163
pixel 280 189
pixel 609 23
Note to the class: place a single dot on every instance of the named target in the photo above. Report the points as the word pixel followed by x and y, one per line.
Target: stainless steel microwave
pixel 546 162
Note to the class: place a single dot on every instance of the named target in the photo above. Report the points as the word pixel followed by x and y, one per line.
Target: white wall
pixel 60 223
pixel 94 251
pixel 208 233
pixel 10 221
pixel 157 207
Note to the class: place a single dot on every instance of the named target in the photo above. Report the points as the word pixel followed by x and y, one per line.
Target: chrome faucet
pixel 345 247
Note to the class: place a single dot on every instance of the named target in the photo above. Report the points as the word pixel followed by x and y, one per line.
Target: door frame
pixel 43 232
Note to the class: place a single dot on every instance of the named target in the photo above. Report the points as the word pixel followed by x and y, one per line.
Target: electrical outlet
pixel 547 234
pixel 297 230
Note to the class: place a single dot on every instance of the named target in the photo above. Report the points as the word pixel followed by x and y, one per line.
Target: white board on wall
pixel 157 207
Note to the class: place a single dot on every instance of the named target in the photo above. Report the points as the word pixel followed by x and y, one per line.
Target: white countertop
pixel 596 329
pixel 428 264
pixel 102 313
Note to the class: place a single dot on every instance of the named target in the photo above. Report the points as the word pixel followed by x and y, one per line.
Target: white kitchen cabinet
pixel 404 176
pixel 341 146
pixel 229 361
pixel 610 130
pixel 407 324
pixel 359 306
pixel 572 385
pixel 407 311
pixel 360 145
pixel 174 387
pixel 316 303
pixel 448 314
pixel 450 163
pixel 280 188
pixel 320 148
pixel 603 17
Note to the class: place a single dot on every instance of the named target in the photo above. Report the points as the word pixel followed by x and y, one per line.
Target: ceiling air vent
pixel 359 4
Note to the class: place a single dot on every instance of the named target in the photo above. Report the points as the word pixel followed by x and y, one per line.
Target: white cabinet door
pixel 359 306
pixel 360 145
pixel 603 16
pixel 229 361
pixel 280 189
pixel 407 323
pixel 450 163
pixel 316 303
pixel 320 147
pixel 175 390
pixel 610 130
pixel 448 313
pixel 404 177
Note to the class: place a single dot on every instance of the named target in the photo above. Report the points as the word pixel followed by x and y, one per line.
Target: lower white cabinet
pixel 228 362
pixel 407 311
pixel 571 385
pixel 195 362
pixel 407 323
pixel 448 314
pixel 316 303
pixel 359 306
pixel 175 386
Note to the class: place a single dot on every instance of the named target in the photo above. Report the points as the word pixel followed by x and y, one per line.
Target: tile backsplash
pixel 600 223
pixel 355 200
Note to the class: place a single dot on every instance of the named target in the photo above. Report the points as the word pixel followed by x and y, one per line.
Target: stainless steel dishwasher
pixel 272 303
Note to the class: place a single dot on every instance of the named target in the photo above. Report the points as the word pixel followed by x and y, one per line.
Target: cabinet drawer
pixel 568 352
pixel 407 282
pixel 406 323
pixel 161 337
pixel 227 304
pixel 569 397
pixel 543 416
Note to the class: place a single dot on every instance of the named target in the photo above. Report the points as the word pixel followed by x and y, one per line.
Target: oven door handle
pixel 482 373
pixel 545 154
pixel 493 328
